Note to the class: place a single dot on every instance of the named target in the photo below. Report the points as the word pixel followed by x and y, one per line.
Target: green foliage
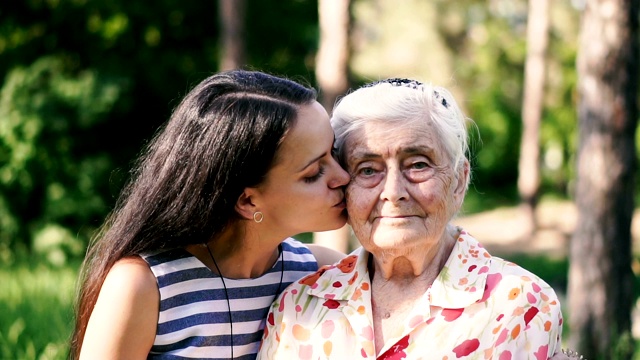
pixel 35 310
pixel 559 127
pixel 49 174
pixel 87 83
pixel 552 270
pixel 494 37
pixel 494 80
pixel 306 238
pixel 477 49
pixel 291 29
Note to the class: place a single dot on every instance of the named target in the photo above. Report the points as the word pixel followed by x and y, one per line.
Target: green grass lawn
pixel 36 311
pixel 36 305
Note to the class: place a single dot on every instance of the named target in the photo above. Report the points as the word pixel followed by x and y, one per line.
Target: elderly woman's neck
pixel 415 263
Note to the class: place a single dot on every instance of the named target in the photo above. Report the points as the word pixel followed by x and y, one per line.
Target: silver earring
pixel 258 216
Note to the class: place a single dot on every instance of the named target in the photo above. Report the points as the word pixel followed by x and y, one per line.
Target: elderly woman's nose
pixel 340 177
pixel 394 186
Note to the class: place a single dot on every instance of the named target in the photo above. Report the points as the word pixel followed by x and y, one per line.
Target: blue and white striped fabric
pixel 194 316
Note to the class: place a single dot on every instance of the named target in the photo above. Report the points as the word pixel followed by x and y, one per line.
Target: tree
pixel 332 77
pixel 50 169
pixel 332 61
pixel 600 276
pixel 86 84
pixel 532 104
pixel 232 16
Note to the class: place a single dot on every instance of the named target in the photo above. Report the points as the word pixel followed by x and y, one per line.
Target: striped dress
pixel 194 315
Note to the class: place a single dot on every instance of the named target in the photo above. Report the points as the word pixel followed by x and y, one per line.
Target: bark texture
pixel 532 105
pixel 232 17
pixel 332 67
pixel 600 276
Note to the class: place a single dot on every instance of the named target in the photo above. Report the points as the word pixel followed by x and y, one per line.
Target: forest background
pixel 86 83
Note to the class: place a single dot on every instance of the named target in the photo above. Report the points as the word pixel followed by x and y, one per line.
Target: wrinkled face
pixel 403 190
pixel 304 191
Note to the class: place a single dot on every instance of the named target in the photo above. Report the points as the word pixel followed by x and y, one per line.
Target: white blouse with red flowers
pixel 479 307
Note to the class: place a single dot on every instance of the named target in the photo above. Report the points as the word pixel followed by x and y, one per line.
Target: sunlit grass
pixel 36 311
pixel 36 304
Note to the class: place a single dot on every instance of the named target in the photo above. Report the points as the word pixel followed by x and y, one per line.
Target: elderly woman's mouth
pixel 395 218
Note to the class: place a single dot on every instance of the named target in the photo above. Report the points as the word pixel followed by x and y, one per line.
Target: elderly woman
pixel 419 287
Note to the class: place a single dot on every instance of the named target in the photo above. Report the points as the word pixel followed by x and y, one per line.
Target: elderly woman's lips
pixel 394 218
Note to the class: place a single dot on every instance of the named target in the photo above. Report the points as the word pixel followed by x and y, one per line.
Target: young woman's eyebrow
pixel 312 161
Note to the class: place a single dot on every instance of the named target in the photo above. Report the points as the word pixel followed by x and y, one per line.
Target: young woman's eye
pixel 316 176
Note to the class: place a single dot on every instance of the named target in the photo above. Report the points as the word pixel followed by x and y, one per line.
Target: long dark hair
pixel 222 138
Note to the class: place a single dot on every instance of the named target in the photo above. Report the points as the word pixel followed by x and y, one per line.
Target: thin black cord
pixel 281 269
pixel 226 294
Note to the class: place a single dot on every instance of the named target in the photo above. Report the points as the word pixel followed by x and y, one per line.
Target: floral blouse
pixel 479 307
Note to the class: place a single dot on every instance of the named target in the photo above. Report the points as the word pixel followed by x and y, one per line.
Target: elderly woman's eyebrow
pixel 420 149
pixel 410 150
pixel 363 155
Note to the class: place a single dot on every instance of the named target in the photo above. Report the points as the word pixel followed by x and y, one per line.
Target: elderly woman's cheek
pixel 357 197
pixel 451 206
pixel 360 203
pixel 442 191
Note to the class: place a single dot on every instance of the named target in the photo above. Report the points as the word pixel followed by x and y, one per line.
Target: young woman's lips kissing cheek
pixel 342 204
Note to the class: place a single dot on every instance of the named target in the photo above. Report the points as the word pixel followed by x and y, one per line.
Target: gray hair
pixel 403 101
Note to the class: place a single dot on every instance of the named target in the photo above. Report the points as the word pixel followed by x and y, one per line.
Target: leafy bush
pixel 50 174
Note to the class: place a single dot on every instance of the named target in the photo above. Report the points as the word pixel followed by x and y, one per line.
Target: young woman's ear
pixel 245 205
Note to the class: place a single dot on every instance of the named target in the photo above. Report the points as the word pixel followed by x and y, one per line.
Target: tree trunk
pixel 232 14
pixel 332 61
pixel 600 277
pixel 332 65
pixel 532 104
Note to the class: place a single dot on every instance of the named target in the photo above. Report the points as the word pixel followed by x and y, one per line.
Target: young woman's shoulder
pixel 325 255
pixel 124 319
pixel 322 254
pixel 133 276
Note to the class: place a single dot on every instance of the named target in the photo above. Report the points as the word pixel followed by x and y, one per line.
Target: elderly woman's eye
pixel 367 171
pixel 419 165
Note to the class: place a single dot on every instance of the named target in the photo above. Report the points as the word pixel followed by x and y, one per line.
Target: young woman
pixel 199 245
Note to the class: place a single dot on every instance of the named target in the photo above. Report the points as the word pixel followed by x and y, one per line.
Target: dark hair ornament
pixel 408 83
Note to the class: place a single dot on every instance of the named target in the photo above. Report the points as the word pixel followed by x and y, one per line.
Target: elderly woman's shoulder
pixel 511 269
pixel 497 269
pixel 518 284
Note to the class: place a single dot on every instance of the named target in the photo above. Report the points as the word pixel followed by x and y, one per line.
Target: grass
pixel 36 310
pixel 554 271
pixel 36 304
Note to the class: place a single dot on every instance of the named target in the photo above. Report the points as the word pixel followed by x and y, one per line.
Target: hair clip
pixel 442 99
pixel 413 84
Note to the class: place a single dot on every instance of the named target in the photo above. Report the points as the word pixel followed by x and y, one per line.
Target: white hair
pixel 403 101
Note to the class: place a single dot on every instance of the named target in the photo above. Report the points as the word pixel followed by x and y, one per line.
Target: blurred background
pixel 551 86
